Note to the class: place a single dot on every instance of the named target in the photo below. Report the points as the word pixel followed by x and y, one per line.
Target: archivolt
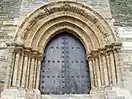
pixel 42 24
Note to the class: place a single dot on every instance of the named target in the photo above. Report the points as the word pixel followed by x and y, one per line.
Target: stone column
pixel 105 65
pixel 34 73
pixel 117 51
pixel 98 68
pixel 19 72
pixel 35 53
pixel 90 60
pixel 27 72
pixel 23 81
pixel 102 75
pixel 113 67
pixel 31 73
pixel 95 71
pixel 28 51
pixel 109 67
pixel 11 60
pixel 31 78
pixel 38 73
pixel 38 69
pixel 15 69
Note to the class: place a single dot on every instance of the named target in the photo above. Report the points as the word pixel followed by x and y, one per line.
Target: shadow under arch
pixel 69 32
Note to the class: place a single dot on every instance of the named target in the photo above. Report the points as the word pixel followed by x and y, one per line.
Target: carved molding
pixel 65 7
pixel 26 51
pixel 114 47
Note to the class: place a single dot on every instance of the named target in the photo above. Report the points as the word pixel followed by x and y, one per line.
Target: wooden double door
pixel 64 69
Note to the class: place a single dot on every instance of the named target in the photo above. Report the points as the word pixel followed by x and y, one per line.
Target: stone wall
pixel 13 12
pixel 9 16
pixel 122 12
pixel 100 6
pixel 125 36
pixel 122 15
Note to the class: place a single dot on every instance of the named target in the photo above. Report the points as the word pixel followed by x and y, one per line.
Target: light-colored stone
pixel 90 20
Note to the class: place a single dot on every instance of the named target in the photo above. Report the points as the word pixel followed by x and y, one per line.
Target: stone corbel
pixel 117 47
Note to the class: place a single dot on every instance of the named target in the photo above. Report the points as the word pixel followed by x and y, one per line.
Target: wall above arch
pixel 91 27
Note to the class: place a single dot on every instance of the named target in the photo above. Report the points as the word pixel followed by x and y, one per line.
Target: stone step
pixel 72 96
pixel 65 97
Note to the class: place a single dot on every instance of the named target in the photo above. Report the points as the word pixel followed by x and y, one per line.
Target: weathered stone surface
pixel 9 12
pixel 121 11
pixel 13 12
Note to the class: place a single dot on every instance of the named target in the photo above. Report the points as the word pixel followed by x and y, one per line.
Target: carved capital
pixel 64 6
pixel 34 53
pixel 27 51
pixel 117 47
pixel 40 56
pixel 102 51
pixel 94 53
pixel 89 56
pixel 109 49
pixel 19 50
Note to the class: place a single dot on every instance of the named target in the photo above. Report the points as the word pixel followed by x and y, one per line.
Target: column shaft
pixel 31 74
pixel 109 67
pixel 94 77
pixel 91 73
pixel 11 59
pixel 38 74
pixel 27 72
pixel 34 73
pixel 19 72
pixel 102 70
pixel 14 82
pixel 98 71
pixel 12 70
pixel 118 66
pixel 106 73
pixel 24 72
pixel 95 72
pixel 113 69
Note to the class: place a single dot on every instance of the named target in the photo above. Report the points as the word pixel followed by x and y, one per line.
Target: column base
pixel 117 93
pixel 12 94
pixel 98 90
pixel 112 92
pixel 15 93
pixel 97 93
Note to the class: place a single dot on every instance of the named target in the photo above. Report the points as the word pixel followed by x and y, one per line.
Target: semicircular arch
pixel 85 17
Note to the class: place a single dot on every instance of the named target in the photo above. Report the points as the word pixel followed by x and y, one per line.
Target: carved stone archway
pixel 37 29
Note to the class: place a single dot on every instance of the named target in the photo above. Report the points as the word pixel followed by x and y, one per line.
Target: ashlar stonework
pixel 103 52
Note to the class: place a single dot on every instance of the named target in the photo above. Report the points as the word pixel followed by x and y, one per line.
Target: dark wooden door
pixel 64 67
